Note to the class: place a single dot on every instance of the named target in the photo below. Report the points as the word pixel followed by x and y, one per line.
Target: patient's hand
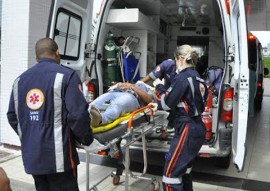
pixel 113 87
pixel 125 85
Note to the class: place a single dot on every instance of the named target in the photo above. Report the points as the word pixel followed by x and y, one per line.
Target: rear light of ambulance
pixel 227 106
pixel 251 36
pixel 228 7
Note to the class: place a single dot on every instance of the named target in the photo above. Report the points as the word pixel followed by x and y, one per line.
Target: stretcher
pixel 116 141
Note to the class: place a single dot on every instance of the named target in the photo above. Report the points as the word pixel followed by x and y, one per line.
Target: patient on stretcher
pixel 120 98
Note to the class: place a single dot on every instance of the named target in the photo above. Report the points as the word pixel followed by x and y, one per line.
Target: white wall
pixel 23 22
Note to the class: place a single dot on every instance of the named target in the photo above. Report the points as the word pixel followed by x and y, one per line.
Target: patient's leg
pixel 99 101
pixel 123 102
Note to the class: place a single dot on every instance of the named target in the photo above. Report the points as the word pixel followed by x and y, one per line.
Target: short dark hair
pixel 46 46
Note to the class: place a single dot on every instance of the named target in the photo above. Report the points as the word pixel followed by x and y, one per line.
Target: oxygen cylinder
pixel 111 70
pixel 110 49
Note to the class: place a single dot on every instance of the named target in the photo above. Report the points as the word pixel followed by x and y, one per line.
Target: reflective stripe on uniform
pixel 177 151
pixel 172 180
pixel 181 104
pixel 163 104
pixel 188 171
pixel 15 96
pixel 152 75
pixel 59 154
pixel 193 95
pixel 199 79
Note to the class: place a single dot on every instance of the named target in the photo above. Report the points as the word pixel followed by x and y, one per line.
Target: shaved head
pixel 46 48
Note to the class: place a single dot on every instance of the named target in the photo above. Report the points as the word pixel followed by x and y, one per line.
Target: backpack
pixel 213 78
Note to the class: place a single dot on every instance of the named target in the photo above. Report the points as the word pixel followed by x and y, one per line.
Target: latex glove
pixel 94 146
pixel 158 81
pixel 155 105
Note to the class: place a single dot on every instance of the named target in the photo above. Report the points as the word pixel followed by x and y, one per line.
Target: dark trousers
pixel 65 181
pixel 185 146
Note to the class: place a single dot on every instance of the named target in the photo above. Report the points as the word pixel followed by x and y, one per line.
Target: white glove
pixel 155 105
pixel 158 81
pixel 94 147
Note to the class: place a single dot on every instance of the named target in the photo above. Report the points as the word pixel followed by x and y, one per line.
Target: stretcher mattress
pixel 120 129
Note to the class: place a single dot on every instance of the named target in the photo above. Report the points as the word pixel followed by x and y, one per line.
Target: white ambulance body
pixel 218 27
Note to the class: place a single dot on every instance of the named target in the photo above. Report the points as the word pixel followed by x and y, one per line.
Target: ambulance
pixel 257 72
pixel 90 33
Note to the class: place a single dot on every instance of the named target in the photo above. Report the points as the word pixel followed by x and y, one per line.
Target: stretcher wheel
pixel 116 179
pixel 156 186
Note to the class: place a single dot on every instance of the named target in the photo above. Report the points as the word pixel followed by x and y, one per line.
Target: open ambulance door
pixel 72 25
pixel 241 78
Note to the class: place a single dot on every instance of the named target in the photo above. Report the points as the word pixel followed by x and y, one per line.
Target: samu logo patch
pixel 34 99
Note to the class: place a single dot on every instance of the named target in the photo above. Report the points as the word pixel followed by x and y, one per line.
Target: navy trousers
pixel 186 143
pixel 65 181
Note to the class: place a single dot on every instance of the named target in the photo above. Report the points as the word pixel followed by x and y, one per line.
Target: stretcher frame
pixel 132 135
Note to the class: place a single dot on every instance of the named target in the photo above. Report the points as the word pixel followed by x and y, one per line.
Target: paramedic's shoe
pixel 96 118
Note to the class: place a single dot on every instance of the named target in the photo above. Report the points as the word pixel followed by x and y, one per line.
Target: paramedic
pixel 186 95
pixel 121 98
pixel 166 70
pixel 49 113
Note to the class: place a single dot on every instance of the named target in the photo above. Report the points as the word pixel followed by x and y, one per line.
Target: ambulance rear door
pixel 241 78
pixel 72 25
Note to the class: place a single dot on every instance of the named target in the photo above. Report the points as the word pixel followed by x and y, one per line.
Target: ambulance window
pixel 67 34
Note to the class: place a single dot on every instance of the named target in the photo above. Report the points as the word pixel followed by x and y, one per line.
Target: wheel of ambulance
pixel 116 179
pixel 156 185
pixel 258 104
pixel 223 162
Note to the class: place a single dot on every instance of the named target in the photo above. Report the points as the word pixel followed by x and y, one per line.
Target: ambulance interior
pixel 163 25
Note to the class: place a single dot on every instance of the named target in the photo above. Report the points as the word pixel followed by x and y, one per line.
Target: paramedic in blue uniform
pixel 186 95
pixel 165 70
pixel 49 113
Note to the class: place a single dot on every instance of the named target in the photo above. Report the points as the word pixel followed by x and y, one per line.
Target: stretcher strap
pixel 130 116
pixel 109 126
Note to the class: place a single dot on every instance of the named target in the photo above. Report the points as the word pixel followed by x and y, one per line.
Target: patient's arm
pixel 144 96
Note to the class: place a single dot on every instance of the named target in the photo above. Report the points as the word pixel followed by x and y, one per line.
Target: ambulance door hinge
pixel 230 55
pixel 88 50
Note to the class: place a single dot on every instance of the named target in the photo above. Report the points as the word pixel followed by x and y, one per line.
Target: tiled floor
pixel 23 182
pixel 207 176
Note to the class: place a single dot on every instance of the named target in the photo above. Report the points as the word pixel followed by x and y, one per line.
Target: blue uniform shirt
pixel 48 112
pixel 166 70
pixel 187 95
